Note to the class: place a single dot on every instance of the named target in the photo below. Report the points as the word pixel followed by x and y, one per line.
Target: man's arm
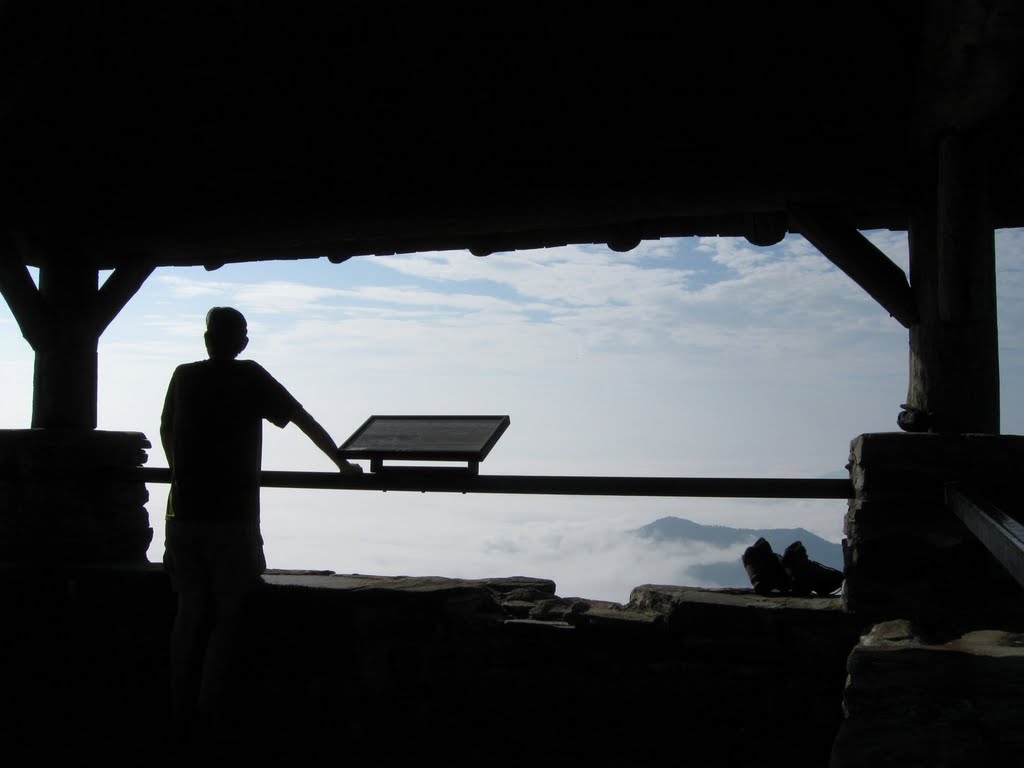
pixel 167 424
pixel 167 440
pixel 312 429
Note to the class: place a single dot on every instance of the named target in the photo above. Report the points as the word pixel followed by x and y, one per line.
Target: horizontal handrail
pixel 442 480
pixel 1001 534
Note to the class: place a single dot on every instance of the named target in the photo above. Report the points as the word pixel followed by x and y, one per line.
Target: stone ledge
pixel 743 628
pixel 661 598
pixel 534 599
pixel 362 582
pixel 899 636
pixel 952 702
pixel 524 597
pixel 514 597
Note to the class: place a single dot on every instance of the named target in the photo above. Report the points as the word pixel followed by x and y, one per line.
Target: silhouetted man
pixel 211 430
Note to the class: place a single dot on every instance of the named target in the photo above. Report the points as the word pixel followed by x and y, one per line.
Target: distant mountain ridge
pixel 730 573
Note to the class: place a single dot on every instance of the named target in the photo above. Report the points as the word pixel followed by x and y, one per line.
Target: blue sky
pixel 686 357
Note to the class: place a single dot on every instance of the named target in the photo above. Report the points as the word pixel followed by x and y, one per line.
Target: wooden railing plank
pixel 442 480
pixel 1001 534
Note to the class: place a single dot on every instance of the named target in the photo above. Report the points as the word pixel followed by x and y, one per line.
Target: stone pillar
pixel 61 500
pixel 907 555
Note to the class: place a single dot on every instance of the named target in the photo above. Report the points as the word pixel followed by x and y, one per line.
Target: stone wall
pixel 431 671
pixel 938 679
pixel 504 671
pixel 62 501
pixel 908 556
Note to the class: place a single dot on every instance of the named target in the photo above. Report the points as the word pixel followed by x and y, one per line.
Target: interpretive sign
pixel 425 438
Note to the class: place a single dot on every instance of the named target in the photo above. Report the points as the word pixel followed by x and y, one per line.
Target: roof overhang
pixel 206 132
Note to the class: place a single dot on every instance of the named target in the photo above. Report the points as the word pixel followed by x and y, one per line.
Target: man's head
pixel 225 333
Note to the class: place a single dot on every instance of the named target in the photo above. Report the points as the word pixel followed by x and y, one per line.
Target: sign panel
pixel 425 438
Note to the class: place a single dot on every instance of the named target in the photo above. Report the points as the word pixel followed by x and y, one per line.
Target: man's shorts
pixel 223 558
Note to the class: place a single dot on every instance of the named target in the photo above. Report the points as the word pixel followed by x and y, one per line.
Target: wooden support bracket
pixel 123 283
pixel 855 255
pixel 20 292
pixel 63 320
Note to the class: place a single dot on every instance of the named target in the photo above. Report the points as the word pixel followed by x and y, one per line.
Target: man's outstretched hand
pixel 347 467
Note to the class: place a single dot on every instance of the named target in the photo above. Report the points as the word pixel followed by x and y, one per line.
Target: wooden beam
pixel 20 293
pixel 855 255
pixel 64 386
pixel 117 290
pixel 929 359
pixel 444 480
pixel 971 62
pixel 36 31
pixel 1001 534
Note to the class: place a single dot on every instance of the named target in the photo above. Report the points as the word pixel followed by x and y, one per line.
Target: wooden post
pixel 64 387
pixel 63 320
pixel 57 502
pixel 954 355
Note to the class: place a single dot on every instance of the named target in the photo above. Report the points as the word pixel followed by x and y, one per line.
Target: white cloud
pixel 186 288
pixel 562 277
pixel 434 301
pixel 584 545
pixel 271 297
pixel 733 253
pixel 647 359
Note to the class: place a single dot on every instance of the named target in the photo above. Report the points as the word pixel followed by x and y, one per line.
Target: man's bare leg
pixel 188 647
pixel 221 650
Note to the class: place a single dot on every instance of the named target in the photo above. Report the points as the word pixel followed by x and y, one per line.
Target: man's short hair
pixel 226 330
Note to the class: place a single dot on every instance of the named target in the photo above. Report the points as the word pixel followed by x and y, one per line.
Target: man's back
pixel 212 434
pixel 214 411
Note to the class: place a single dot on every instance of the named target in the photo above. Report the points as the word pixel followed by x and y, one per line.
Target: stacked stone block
pixel 907 555
pixel 69 497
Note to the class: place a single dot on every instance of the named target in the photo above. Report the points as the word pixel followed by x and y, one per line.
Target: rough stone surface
pixel 60 503
pixel 911 702
pixel 907 555
pixel 504 671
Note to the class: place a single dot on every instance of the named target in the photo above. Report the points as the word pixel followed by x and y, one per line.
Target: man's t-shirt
pixel 215 411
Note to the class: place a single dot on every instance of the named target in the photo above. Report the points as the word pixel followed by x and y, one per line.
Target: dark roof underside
pixel 205 132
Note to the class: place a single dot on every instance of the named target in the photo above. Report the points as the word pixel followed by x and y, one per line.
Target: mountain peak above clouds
pixel 729 572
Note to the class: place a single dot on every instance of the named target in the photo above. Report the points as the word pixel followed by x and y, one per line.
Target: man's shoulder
pixel 247 373
pixel 244 376
pixel 252 368
pixel 245 366
pixel 184 369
